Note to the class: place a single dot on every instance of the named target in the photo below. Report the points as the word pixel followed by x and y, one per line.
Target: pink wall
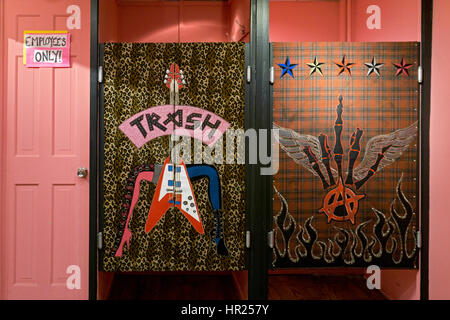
pixel 440 154
pixel 155 23
pixel 2 134
pixel 108 28
pixel 240 20
pixel 292 21
pixel 400 20
pixel 343 20
pixel 194 21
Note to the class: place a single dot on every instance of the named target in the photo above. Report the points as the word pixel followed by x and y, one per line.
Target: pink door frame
pixel 2 153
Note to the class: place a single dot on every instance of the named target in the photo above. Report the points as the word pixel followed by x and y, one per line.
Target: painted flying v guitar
pixel 174 188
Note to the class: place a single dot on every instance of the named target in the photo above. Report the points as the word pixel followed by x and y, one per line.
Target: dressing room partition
pixel 170 202
pixel 346 119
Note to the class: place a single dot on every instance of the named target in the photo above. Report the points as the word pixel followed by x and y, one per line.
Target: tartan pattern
pixel 376 104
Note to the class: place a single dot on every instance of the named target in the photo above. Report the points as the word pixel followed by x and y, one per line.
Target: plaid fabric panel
pixel 378 105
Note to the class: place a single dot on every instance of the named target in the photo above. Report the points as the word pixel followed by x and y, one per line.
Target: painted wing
pixel 399 141
pixel 293 143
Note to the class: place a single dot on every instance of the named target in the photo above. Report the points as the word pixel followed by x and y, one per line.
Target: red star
pixel 344 66
pixel 402 68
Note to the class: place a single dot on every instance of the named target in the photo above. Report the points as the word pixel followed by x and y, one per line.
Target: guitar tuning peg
pixel 181 71
pixel 182 77
pixel 183 82
pixel 167 71
pixel 165 81
pixel 166 76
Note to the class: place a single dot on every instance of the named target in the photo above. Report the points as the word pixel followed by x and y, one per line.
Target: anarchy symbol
pixel 341 203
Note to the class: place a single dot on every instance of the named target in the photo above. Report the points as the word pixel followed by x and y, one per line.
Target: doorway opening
pixel 309 89
pixel 169 24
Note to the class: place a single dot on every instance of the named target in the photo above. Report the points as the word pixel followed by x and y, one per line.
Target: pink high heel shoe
pixel 125 240
pixel 142 172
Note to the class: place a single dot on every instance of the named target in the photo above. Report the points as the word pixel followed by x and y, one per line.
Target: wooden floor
pixel 173 287
pixel 212 287
pixel 313 287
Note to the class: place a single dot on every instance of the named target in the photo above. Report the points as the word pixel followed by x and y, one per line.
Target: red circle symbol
pixel 341 203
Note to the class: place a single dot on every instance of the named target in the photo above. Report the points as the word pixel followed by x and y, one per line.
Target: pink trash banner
pixel 182 121
pixel 46 49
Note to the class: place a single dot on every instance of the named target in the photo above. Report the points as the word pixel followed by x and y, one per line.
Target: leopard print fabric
pixel 133 81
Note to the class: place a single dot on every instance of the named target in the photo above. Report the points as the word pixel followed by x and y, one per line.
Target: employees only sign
pixel 46 49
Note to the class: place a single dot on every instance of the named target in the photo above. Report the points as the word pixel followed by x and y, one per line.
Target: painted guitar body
pixel 174 189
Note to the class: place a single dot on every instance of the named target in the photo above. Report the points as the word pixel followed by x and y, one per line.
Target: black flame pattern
pixel 385 245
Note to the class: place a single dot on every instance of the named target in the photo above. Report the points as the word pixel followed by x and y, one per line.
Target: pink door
pixel 46 119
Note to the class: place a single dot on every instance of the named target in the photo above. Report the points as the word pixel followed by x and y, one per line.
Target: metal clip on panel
pixel 272 75
pixel 420 74
pixel 100 74
pixel 418 239
pixel 99 240
pixel 247 239
pixel 270 239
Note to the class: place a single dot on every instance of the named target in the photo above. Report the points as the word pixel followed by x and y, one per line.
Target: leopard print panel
pixel 133 82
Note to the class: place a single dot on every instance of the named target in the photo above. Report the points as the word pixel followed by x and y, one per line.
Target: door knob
pixel 82 172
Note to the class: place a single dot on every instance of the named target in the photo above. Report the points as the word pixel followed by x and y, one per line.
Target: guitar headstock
pixel 174 74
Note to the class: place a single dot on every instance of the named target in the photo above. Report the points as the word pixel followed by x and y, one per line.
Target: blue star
pixel 287 68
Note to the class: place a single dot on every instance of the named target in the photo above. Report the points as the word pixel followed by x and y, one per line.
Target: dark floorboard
pixel 312 287
pixel 212 287
pixel 172 287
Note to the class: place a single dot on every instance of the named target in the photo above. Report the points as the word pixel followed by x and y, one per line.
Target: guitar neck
pixel 174 81
pixel 174 94
pixel 174 101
